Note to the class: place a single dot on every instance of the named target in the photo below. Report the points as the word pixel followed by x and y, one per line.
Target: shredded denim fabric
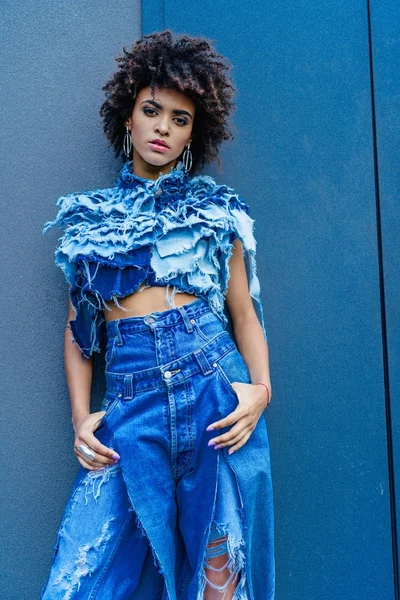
pixel 176 231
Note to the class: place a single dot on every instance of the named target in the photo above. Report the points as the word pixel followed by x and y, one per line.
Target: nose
pixel 162 127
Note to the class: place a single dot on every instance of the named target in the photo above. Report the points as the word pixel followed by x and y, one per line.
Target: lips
pixel 158 147
pixel 159 143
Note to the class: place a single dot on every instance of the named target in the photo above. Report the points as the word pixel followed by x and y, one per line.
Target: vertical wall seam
pixel 385 353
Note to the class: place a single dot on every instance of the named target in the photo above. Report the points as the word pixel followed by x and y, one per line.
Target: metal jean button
pixel 167 374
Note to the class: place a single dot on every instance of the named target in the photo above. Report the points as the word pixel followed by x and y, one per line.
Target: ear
pixel 128 122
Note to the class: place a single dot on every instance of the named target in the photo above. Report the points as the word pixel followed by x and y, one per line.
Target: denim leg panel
pixel 100 550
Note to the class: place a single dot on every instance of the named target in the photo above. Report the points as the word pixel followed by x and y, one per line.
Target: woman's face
pixel 168 117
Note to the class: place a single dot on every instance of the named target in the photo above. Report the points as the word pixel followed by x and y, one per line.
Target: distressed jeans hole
pixel 223 570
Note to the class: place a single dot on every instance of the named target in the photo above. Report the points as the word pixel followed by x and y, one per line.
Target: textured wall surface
pixel 56 56
pixel 305 159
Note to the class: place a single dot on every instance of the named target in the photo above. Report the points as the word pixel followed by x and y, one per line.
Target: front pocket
pixel 110 399
pixel 108 404
pixel 199 331
pixel 232 367
pixel 207 326
pixel 226 382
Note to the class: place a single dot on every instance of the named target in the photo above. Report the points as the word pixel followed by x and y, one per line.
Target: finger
pixel 86 465
pixel 238 428
pixel 235 439
pixel 98 460
pixel 239 444
pixel 228 420
pixel 106 455
pixel 87 460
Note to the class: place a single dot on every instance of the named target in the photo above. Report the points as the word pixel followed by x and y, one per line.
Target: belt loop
pixel 128 387
pixel 203 361
pixel 118 333
pixel 185 318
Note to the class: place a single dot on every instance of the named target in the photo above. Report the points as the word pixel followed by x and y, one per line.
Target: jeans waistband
pixel 165 318
pixel 204 360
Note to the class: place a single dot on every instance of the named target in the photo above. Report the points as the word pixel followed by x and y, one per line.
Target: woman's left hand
pixel 253 400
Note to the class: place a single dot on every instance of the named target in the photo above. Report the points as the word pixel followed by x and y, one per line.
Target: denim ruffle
pixel 174 231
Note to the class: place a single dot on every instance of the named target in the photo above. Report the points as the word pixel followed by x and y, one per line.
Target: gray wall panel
pixel 55 59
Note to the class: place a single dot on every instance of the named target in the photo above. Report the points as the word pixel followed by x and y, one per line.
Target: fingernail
pixel 210 428
pixel 116 456
pixel 217 447
pixel 212 442
pixel 101 469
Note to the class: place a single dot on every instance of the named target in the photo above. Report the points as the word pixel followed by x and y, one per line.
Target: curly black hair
pixel 186 64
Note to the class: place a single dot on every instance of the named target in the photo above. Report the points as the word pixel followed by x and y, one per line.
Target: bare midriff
pixel 148 300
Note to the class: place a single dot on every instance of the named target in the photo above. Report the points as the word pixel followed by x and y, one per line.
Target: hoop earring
pixel 187 159
pixel 127 145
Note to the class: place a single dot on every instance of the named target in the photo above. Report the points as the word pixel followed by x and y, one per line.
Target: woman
pixel 173 498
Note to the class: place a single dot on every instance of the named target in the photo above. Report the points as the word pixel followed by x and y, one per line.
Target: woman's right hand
pixel 84 435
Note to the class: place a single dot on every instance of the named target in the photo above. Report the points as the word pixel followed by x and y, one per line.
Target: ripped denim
pixel 150 527
pixel 175 231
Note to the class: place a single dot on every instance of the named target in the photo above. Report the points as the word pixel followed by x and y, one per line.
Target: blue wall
pixel 385 36
pixel 305 158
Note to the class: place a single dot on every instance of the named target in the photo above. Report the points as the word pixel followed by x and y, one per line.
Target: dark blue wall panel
pixel 385 35
pixel 303 158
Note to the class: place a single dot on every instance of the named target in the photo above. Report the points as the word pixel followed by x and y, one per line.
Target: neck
pixel 143 169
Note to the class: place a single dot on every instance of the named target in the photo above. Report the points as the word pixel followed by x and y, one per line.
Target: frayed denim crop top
pixel 176 231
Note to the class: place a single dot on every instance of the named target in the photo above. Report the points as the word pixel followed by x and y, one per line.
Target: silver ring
pixel 86 451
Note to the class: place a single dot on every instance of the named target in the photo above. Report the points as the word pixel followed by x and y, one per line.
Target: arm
pixel 252 399
pixel 246 326
pixel 79 374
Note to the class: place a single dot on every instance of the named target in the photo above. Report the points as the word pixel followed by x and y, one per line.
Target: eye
pixel 146 108
pixel 182 121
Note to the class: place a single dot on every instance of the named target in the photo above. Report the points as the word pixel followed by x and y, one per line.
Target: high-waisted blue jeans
pixel 140 529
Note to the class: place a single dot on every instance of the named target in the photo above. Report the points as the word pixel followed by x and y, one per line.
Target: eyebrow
pixel 175 111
